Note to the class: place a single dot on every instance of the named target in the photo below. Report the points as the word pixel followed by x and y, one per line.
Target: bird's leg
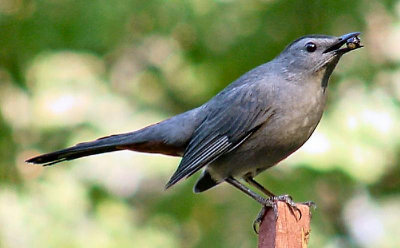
pixel 265 202
pixel 269 202
pixel 261 188
pixel 285 198
pixel 249 192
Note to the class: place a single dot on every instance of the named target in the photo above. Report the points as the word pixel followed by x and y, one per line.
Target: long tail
pixel 102 145
pixel 168 137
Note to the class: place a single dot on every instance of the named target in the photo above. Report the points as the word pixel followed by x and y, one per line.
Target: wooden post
pixel 288 231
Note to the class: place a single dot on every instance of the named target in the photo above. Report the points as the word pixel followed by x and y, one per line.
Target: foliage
pixel 74 70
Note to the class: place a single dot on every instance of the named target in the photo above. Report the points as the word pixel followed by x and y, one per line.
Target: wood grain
pixel 288 231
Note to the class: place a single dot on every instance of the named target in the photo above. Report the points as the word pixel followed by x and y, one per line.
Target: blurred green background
pixel 75 70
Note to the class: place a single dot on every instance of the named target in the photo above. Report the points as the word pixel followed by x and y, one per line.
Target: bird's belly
pixel 274 141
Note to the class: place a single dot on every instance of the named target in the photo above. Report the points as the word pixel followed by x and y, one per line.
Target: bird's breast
pixel 297 112
pixel 295 118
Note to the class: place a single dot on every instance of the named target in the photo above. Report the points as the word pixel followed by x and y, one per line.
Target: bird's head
pixel 317 53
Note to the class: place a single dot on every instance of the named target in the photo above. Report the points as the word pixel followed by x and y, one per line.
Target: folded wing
pixel 232 117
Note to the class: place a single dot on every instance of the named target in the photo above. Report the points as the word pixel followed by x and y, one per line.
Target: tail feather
pixel 102 145
pixel 169 137
pixel 205 182
pixel 144 140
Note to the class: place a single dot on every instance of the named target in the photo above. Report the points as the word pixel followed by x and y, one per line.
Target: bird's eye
pixel 311 47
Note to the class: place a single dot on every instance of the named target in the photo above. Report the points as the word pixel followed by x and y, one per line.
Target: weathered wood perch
pixel 288 231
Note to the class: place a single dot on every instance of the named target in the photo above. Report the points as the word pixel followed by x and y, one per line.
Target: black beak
pixel 347 38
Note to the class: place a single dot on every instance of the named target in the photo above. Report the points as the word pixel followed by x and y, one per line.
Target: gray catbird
pixel 251 125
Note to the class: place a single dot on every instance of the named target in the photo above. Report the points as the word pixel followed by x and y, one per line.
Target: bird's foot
pixel 272 202
pixel 310 204
pixel 269 203
pixel 289 201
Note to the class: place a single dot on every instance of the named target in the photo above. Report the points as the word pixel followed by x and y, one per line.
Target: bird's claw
pixel 289 201
pixel 269 203
pixel 257 221
pixel 310 204
pixel 272 202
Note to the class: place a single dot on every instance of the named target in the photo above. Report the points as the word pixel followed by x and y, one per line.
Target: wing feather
pixel 233 117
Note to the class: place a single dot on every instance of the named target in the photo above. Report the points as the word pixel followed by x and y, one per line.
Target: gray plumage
pixel 255 122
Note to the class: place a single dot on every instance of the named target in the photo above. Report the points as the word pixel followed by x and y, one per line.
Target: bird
pixel 254 123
